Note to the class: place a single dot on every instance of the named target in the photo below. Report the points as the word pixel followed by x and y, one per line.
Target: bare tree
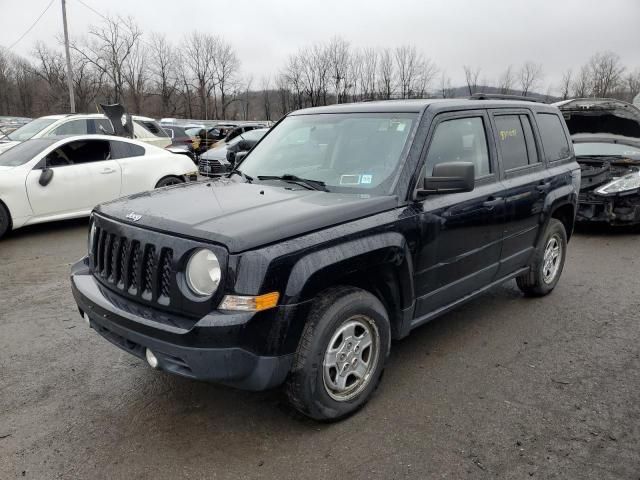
pixel 87 82
pixel 565 85
pixel 386 75
pixel 292 78
pixel 163 69
pixel 339 59
pixel 632 81
pixel 367 73
pixel 582 85
pixel 606 73
pixel 265 87
pixel 108 48
pixel 135 76
pixel 51 68
pixel 446 90
pixel 408 64
pixel 507 80
pixel 226 67
pixel 530 75
pixel 471 76
pixel 199 52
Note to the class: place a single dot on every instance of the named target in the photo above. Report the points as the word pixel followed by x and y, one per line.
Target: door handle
pixel 492 202
pixel 107 171
pixel 544 187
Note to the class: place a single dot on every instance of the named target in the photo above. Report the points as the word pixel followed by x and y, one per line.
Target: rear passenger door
pixel 461 233
pixel 526 184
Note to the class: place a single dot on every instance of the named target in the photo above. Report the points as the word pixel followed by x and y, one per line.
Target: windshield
pixel 25 151
pixel 349 152
pixel 30 129
pixel 605 149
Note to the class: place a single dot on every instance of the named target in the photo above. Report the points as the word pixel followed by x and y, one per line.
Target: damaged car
pixel 606 140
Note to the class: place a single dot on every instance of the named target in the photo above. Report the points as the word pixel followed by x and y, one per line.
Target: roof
pixel 419 105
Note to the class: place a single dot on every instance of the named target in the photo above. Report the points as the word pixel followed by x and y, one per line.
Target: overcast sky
pixel 490 34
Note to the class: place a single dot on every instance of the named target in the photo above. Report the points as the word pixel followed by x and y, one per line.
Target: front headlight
pixel 203 272
pixel 630 181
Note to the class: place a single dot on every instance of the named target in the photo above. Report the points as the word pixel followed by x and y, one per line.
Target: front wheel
pixel 548 262
pixel 166 181
pixel 5 220
pixel 341 354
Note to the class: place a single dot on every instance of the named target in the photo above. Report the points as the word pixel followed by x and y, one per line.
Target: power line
pixel 93 10
pixel 31 27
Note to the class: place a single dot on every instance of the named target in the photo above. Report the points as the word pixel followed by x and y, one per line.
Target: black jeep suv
pixel 344 228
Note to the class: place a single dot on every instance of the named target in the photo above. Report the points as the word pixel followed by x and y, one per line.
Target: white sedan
pixel 45 179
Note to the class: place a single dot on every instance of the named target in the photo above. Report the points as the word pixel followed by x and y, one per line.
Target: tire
pixel 543 277
pixel 170 180
pixel 5 221
pixel 347 329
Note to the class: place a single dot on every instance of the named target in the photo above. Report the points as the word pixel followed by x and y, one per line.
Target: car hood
pixel 598 116
pixel 242 216
pixel 216 153
pixel 4 146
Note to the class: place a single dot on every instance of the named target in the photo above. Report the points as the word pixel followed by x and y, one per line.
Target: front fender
pixel 324 268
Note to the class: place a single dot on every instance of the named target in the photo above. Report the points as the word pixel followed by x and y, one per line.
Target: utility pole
pixel 72 100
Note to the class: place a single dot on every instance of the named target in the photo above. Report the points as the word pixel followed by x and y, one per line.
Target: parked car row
pixel 340 229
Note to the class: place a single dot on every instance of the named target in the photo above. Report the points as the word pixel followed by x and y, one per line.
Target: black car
pixel 606 138
pixel 344 228
pixel 221 159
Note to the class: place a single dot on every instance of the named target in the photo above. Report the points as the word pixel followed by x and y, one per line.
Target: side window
pixel 511 141
pixel 82 151
pixel 460 140
pixel 554 140
pixel 103 126
pixel 72 127
pixel 126 150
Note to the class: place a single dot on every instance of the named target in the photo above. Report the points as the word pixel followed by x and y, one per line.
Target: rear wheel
pixel 341 354
pixel 548 261
pixel 5 220
pixel 170 180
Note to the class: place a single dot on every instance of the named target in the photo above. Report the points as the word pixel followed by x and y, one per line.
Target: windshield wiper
pixel 304 182
pixel 244 176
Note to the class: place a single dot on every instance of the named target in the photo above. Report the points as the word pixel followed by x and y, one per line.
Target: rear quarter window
pixel 554 140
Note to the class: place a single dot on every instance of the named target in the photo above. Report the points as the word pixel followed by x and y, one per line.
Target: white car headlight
pixel 630 181
pixel 203 272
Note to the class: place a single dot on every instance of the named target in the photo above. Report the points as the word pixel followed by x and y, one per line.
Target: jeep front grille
pixel 131 267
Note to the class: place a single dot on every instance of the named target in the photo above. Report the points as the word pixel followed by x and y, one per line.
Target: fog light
pixel 152 360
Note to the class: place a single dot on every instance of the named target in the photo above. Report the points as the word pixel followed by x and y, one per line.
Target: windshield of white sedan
pixel 347 152
pixel 25 151
pixel 30 129
pixel 605 149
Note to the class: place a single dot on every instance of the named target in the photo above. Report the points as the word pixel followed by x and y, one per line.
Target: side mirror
pixel 45 176
pixel 240 156
pixel 449 178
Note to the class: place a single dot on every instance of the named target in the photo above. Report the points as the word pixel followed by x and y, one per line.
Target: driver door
pixel 83 176
pixel 461 233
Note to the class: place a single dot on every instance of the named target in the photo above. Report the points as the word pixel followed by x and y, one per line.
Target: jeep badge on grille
pixel 134 217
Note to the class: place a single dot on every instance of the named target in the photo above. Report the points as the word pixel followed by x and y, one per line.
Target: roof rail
pixel 501 96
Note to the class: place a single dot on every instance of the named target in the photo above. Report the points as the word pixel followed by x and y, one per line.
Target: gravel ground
pixel 504 387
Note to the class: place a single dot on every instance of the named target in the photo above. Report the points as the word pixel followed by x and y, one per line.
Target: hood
pixel 242 216
pixel 4 146
pixel 597 116
pixel 216 153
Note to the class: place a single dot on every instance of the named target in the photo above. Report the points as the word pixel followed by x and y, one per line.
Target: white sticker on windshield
pixel 366 178
pixel 401 127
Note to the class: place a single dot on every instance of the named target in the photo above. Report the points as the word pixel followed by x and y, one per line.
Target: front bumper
pixel 205 351
pixel 616 210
